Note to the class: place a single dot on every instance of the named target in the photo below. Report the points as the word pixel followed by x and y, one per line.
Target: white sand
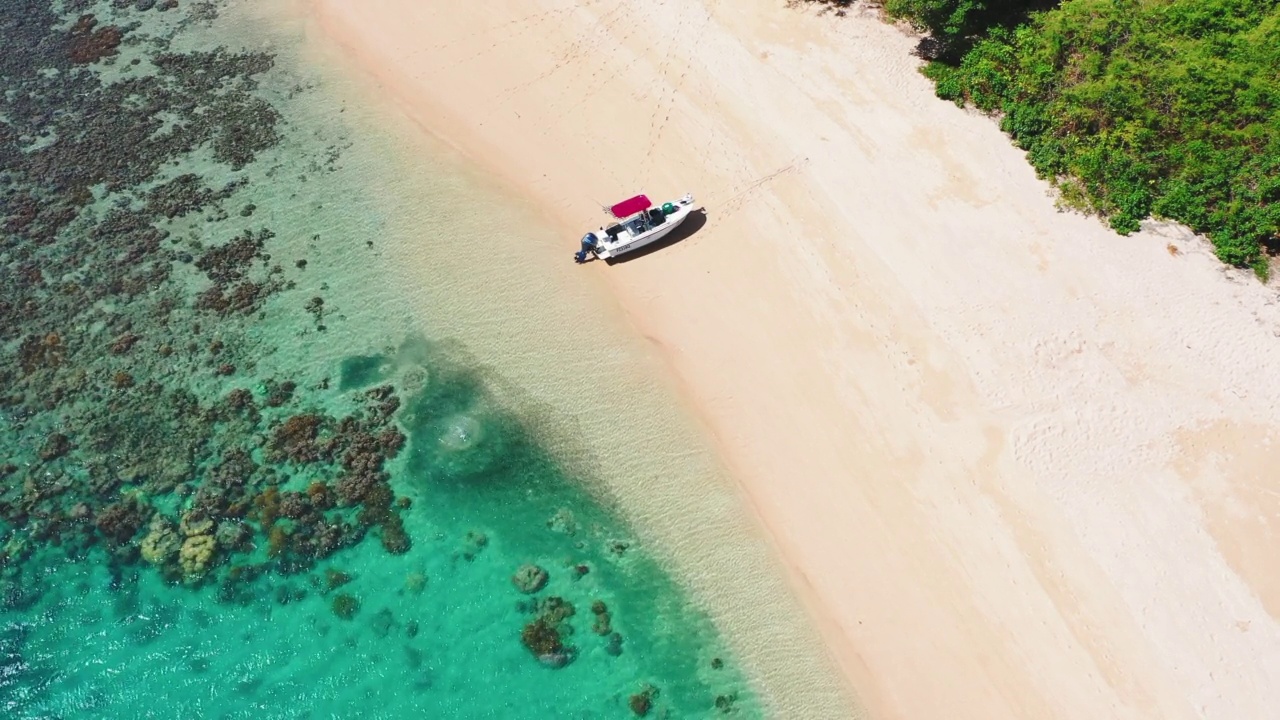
pixel 1017 466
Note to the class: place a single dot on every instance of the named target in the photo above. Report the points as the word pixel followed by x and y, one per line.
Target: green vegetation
pixel 958 22
pixel 1133 108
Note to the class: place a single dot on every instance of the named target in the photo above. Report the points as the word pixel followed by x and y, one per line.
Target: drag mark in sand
pixel 743 193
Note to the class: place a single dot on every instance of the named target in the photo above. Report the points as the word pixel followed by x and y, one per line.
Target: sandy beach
pixel 1017 466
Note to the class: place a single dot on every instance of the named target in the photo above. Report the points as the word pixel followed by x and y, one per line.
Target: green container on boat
pixel 668 208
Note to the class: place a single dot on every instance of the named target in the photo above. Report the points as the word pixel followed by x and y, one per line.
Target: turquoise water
pixel 437 629
pixel 234 482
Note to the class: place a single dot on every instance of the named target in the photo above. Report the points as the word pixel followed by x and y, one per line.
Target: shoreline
pixel 583 375
pixel 985 505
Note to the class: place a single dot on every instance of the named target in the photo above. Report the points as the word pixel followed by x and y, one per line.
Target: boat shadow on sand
pixel 692 224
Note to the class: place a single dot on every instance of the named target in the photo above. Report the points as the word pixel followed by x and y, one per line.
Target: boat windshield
pixel 637 225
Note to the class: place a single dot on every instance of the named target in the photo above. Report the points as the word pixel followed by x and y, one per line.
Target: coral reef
pixel 186 194
pixel 197 554
pixel 277 541
pixel 162 543
pixel 87 45
pixel 541 638
pixel 279 393
pixel 295 439
pixel 120 521
pixel 55 446
pixel 196 522
pixel 394 538
pixel 158 301
pixel 232 535
pixel 156 429
pixel 266 507
pixel 123 344
pixel 294 505
pixel 321 496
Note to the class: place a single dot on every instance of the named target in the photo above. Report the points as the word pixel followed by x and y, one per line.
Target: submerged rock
pixel 415 582
pixel 601 624
pixel 541 637
pixel 613 646
pixel 529 578
pixel 642 702
pixel 383 622
pixel 334 578
pixel 544 636
pixel 394 538
pixel 563 521
pixel 286 594
pixel 474 542
pixel 345 606
pixel 555 660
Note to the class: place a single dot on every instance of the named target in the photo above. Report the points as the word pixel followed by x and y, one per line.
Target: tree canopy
pixel 1133 108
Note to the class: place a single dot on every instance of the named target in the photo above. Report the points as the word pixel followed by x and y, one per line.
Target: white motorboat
pixel 638 224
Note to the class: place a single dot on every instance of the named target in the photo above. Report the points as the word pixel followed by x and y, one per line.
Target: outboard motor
pixel 588 246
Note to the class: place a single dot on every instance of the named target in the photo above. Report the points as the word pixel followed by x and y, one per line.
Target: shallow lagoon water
pixel 436 630
pixel 91 629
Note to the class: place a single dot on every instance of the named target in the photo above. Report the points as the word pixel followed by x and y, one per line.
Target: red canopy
pixel 630 206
